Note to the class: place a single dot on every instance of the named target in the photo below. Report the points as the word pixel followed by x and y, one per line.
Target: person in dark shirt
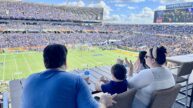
pixel 118 84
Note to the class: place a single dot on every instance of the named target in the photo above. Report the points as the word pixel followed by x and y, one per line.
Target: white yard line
pixel 4 67
pixel 16 67
pixel 18 53
pixel 29 67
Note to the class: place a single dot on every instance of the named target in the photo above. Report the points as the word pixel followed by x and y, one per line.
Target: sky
pixel 120 11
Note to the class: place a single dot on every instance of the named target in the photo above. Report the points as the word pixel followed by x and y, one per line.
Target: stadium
pixel 26 28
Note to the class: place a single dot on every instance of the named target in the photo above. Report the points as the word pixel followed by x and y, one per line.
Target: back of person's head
pixel 159 54
pixel 54 56
pixel 119 71
pixel 142 58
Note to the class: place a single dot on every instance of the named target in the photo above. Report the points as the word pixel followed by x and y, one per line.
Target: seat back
pixel 124 100
pixel 185 69
pixel 16 88
pixel 5 100
pixel 164 98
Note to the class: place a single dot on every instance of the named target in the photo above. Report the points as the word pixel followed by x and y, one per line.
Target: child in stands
pixel 118 84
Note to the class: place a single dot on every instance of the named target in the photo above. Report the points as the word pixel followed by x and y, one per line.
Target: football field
pixel 22 64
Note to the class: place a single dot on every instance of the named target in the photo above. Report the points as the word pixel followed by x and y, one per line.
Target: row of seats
pixel 160 99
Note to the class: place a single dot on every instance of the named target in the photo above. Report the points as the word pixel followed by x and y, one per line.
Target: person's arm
pixel 104 79
pixel 137 66
pixel 130 64
pixel 142 79
pixel 84 97
pixel 106 100
pixel 98 86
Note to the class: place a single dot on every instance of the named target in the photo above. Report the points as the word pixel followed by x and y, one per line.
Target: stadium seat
pixel 5 100
pixel 124 100
pixel 164 98
pixel 182 76
pixel 16 87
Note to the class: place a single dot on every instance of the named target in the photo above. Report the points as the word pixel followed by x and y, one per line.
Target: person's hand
pixel 126 61
pixel 107 99
pixel 97 87
pixel 103 79
pixel 131 69
pixel 119 61
pixel 87 80
pixel 130 64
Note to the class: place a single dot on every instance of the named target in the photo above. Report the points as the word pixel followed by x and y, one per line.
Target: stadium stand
pixel 28 26
pixel 155 35
pixel 31 11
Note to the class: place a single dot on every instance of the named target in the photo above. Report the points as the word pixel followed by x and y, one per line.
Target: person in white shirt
pixel 148 80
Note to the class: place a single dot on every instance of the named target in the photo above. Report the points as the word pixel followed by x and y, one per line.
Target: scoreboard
pixel 180 5
pixel 184 15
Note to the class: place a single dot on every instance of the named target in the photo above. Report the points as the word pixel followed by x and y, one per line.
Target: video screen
pixel 177 15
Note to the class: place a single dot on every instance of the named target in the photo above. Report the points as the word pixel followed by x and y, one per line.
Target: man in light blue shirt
pixel 55 88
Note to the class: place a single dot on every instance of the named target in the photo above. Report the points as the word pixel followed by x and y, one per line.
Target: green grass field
pixel 20 65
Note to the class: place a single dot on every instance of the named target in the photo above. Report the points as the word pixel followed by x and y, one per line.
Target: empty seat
pixel 164 98
pixel 183 73
pixel 16 88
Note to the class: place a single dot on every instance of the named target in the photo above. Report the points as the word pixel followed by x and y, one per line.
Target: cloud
pixel 10 0
pixel 131 8
pixel 143 17
pixel 81 3
pixel 107 9
pixel 75 3
pixel 135 1
pixel 161 8
pixel 113 18
pixel 118 19
pixel 120 5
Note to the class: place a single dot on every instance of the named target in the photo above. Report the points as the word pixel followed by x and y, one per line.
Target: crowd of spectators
pixel 177 38
pixel 23 10
pixel 175 45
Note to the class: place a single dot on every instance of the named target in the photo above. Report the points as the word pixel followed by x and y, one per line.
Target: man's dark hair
pixel 119 71
pixel 54 56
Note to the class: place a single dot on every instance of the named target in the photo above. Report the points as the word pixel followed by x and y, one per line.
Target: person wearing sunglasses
pixel 157 77
pixel 140 64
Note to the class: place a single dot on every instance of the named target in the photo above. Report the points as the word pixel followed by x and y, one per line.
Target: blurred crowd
pixel 22 10
pixel 177 38
pixel 31 33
